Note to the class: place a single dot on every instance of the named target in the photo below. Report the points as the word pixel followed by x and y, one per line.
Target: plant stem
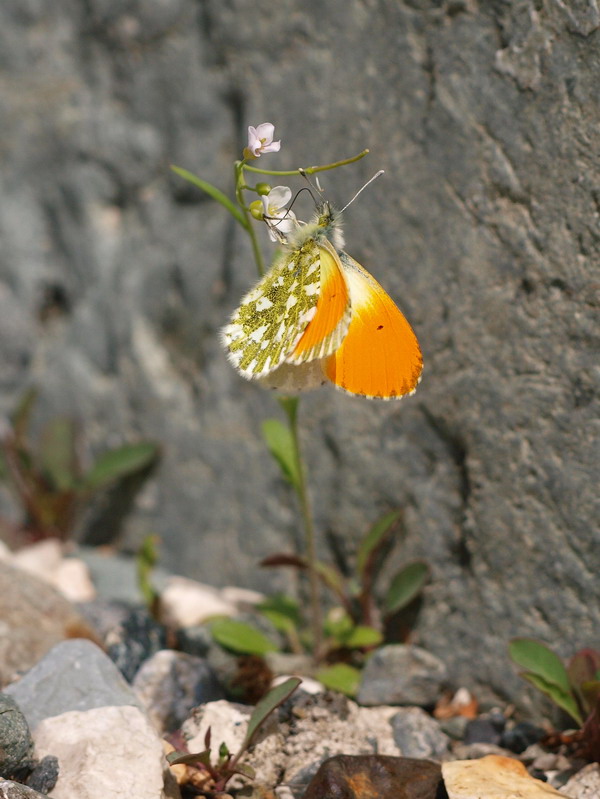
pixel 239 188
pixel 310 170
pixel 290 406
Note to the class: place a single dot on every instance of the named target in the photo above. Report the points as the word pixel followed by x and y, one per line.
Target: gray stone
pixel 75 675
pixel 400 674
pixel 416 734
pixel 14 790
pixel 170 684
pixel 15 740
pixel 115 277
pixel 33 618
pixel 44 774
pixel 585 784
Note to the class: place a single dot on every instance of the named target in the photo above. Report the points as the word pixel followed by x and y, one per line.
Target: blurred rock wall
pixel 115 277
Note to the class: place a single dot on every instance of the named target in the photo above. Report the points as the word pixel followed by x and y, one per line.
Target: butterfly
pixel 318 316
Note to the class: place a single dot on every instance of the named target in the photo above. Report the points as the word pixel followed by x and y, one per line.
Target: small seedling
pixel 225 766
pixel 47 476
pixel 574 688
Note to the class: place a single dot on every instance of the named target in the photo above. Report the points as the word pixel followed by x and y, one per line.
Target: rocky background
pixel 115 278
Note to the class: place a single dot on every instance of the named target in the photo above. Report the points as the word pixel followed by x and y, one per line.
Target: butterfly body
pixel 318 315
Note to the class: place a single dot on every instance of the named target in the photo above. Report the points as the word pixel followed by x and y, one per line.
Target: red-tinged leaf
pixel 283 559
pixel 564 699
pixel 244 770
pixel 584 666
pixel 21 415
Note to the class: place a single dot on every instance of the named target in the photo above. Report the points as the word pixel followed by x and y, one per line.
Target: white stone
pixel 72 578
pixel 46 560
pixel 585 784
pixel 185 602
pixel 40 559
pixel 105 752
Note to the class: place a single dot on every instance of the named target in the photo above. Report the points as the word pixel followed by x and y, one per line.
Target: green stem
pixel 290 406
pixel 240 185
pixel 310 170
pixel 215 193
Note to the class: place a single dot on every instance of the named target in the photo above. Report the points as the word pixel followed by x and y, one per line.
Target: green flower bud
pixel 256 209
pixel 262 188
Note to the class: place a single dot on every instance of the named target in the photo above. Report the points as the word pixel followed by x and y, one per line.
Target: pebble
pixel 493 777
pixel 416 734
pixel 585 784
pixel 403 675
pixel 375 776
pixel 171 683
pixel 134 641
pixel 482 730
pixel 106 751
pixel 15 790
pixel 520 736
pixel 185 603
pixel 46 560
pixel 16 744
pixel 33 618
pixel 74 675
pixel 44 775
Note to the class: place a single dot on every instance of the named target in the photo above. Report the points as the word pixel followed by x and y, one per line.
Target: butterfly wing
pixel 306 284
pixel 380 355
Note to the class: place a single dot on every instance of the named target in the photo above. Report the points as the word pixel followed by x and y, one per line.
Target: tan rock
pixel 493 777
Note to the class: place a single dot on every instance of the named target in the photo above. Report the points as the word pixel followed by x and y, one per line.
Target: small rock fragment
pixel 185 602
pixel 493 777
pixel 522 735
pixel 75 675
pixel 15 790
pixel 137 639
pixel 44 775
pixel 369 776
pixel 16 744
pixel 171 683
pixel 401 674
pixel 418 735
pixel 585 784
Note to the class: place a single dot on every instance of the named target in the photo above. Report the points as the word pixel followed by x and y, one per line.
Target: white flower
pixel 279 220
pixel 260 140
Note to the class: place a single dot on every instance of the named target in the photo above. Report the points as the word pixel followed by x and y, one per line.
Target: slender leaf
pixel 564 699
pixel 240 637
pixel 340 677
pixel 58 456
pixel 119 463
pixel 245 770
pixel 282 610
pixel 405 586
pixel 280 441
pixel 21 415
pixel 374 539
pixel 290 407
pixel 363 636
pixel 187 758
pixel 285 559
pixel 540 660
pixel 213 192
pixel 267 705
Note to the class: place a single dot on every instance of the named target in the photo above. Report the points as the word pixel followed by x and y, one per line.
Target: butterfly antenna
pixel 375 176
pixel 316 187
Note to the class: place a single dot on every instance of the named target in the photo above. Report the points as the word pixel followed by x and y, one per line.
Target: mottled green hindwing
pixel 273 315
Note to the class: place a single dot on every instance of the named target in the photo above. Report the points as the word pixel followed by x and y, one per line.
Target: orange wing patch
pixel 326 330
pixel 380 355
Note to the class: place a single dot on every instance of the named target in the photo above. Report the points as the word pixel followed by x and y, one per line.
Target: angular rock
pixel 585 784
pixel 403 675
pixel 416 734
pixel 134 641
pixel 44 774
pixel 33 618
pixel 520 736
pixel 75 675
pixel 493 777
pixel 369 776
pixel 185 603
pixel 15 790
pixel 16 744
pixel 482 730
pixel 106 752
pixel 170 684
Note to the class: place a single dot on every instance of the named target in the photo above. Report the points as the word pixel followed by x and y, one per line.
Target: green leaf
pixel 338 624
pixel 58 456
pixel 340 677
pixel 119 463
pixel 540 660
pixel 363 636
pixel 267 705
pixel 290 407
pixel 240 637
pixel 282 611
pixel 280 441
pixel 405 586
pixel 245 770
pixel 374 539
pixel 21 415
pixel 564 699
pixel 4 472
pixel 213 192
pixel 187 758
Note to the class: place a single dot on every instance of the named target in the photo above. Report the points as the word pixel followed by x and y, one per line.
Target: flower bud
pixel 262 188
pixel 256 209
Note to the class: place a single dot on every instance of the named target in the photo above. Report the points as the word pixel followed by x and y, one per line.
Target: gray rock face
pixel 402 675
pixel 75 675
pixel 115 277
pixel 416 734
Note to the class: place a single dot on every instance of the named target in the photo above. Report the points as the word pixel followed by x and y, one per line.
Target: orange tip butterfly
pixel 318 315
